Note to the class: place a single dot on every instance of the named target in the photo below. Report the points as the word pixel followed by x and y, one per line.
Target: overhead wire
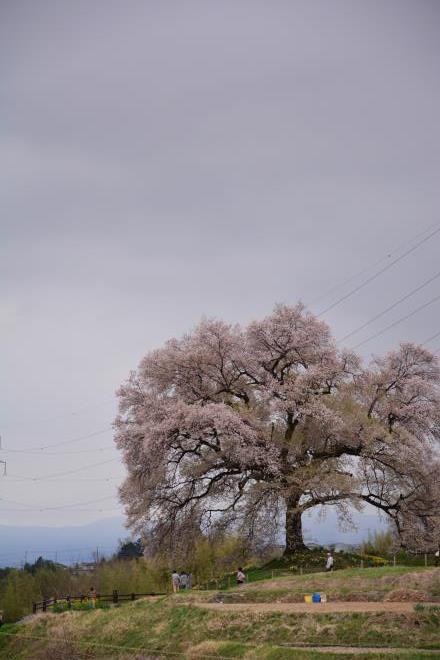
pixel 65 511
pixel 125 649
pixel 403 318
pixel 437 334
pixel 59 551
pixel 57 453
pixel 60 476
pixel 61 415
pixel 32 507
pixel 70 441
pixel 378 273
pixel 385 257
pixel 390 307
pixel 18 478
pixel 66 473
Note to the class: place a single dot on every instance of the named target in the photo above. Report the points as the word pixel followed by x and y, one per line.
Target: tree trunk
pixel 294 533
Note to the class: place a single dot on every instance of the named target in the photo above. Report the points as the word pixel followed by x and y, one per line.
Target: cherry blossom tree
pixel 251 427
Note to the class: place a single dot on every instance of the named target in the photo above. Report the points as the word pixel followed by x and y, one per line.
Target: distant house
pixel 85 567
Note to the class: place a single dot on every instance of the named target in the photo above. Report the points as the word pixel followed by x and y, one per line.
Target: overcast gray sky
pixel 161 161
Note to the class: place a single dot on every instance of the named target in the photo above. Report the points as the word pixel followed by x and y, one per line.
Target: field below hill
pixel 257 621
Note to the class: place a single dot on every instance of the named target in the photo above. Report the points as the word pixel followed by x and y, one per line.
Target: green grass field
pixel 175 626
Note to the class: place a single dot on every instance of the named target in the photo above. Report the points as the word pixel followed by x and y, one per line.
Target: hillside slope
pixel 174 627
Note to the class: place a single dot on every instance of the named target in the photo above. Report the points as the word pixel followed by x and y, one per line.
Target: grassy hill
pixel 180 626
pixel 351 584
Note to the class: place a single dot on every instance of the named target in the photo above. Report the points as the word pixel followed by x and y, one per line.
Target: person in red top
pixel 92 596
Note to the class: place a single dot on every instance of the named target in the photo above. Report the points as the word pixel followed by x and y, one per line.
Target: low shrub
pixel 78 606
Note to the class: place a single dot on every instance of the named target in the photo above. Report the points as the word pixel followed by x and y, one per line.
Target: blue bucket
pixel 316 598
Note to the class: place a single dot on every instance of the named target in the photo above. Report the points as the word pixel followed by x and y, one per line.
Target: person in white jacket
pixel 175 579
pixel 330 562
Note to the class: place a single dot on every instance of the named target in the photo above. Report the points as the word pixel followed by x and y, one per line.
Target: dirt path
pixel 314 608
pixel 358 650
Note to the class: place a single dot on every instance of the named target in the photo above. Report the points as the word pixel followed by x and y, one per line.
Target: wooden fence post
pixel 426 559
pixel 34 608
pixel 115 596
pixel 69 603
pixel 44 606
pixel 133 596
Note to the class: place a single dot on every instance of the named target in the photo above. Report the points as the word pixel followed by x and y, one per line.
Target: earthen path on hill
pixel 313 608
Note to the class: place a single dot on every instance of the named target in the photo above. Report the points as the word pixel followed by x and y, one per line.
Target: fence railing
pixel 115 597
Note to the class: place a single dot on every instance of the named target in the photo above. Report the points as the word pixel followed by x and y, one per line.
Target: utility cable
pixel 388 309
pixel 403 318
pixel 58 550
pixel 62 474
pixel 431 338
pixel 65 511
pixel 370 266
pixel 72 440
pixel 116 647
pixel 19 478
pixel 30 507
pixel 57 453
pixel 378 273
pixel 61 415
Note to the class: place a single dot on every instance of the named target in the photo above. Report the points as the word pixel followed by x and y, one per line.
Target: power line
pixel 30 507
pixel 57 453
pixel 375 263
pixel 378 273
pixel 2 499
pixel 403 318
pixel 62 474
pixel 66 550
pixel 60 551
pixel 71 441
pixel 61 415
pixel 143 649
pixel 431 338
pixel 67 511
pixel 17 477
pixel 388 309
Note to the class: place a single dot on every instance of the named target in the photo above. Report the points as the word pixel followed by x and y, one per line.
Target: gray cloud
pixel 162 161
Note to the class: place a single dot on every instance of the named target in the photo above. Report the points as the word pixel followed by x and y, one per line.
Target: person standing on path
pixel 92 596
pixel 241 577
pixel 330 562
pixel 175 579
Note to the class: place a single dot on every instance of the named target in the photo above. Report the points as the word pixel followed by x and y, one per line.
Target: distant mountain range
pixel 69 545
pixel 326 531
pixel 66 545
